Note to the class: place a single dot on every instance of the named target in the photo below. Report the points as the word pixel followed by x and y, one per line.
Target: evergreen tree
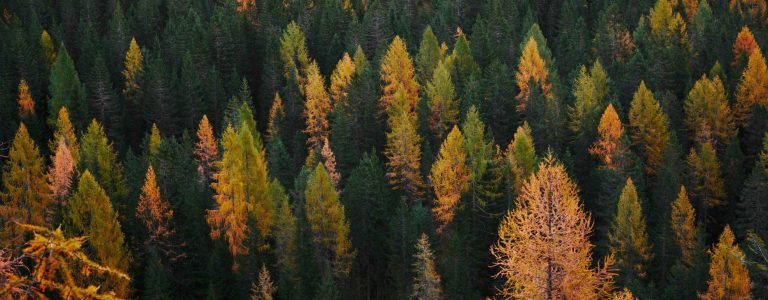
pixel 66 90
pixel 705 182
pixel 521 157
pixel 25 191
pixel 442 101
pixel 428 57
pixel 752 207
pixel 98 155
pixel 426 284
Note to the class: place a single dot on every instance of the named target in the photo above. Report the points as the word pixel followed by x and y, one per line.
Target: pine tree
pixel 206 150
pixel 442 101
pixel 549 215
pixel 66 90
pixel 449 177
pixel 330 229
pixel 728 276
pixel 426 283
pixel 532 69
pixel 317 107
pixel 753 88
pixel 65 131
pixel 707 107
pixel 752 207
pixel 649 128
pixel 404 153
pixel 25 192
pixel 90 213
pixel 241 185
pixel 629 238
pixel 397 74
pixel 341 79
pixel 428 57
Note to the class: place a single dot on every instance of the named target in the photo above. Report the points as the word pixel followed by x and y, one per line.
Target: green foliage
pixel 66 90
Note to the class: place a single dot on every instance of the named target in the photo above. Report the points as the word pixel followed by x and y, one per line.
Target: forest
pixel 383 149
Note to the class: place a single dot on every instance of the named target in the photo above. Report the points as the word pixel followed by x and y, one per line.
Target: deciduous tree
pixel 316 109
pixel 397 73
pixel 649 128
pixel 442 101
pixel 449 177
pixel 426 283
pixel 753 87
pixel 707 107
pixel 532 69
pixel 728 275
pixel 206 150
pixel 629 239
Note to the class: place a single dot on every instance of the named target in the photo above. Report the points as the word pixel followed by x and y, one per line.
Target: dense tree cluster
pixel 383 149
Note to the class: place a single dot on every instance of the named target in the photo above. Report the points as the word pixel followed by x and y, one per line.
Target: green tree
pixel 428 57
pixel 648 128
pixel 426 284
pixel 705 183
pixel 98 155
pixel 442 101
pixel 629 238
pixel 752 207
pixel 66 90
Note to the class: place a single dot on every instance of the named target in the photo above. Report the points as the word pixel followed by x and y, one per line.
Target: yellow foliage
pixel 753 87
pixel 609 132
pixel 397 73
pixel 341 79
pixel 316 108
pixel 533 68
pixel 449 177
pixel 728 275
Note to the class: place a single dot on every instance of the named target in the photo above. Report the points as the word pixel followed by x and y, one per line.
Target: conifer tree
pixel 276 122
pixel 404 152
pixel 629 238
pixel 60 177
pixel 609 146
pixel 98 155
pixel 549 215
pixel 744 46
pixel 156 214
pixel 728 275
pixel 65 131
pixel 206 150
pixel 705 182
pixel 133 66
pixel 341 79
pixel 753 87
pixel 649 128
pixel 706 108
pixel 426 283
pixel 330 229
pixel 264 288
pixel 66 90
pixel 293 52
pixel 90 213
pixel 683 220
pixel 25 102
pixel 590 90
pixel 49 52
pixel 397 74
pixel 449 177
pixel 442 101
pixel 316 109
pixel 25 192
pixel 484 170
pixel 532 69
pixel 752 207
pixel 428 57
pixel 521 156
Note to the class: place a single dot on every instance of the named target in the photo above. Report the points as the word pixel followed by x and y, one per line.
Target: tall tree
pixel 705 182
pixel 25 102
pixel 90 213
pixel 532 69
pixel 521 157
pixel 65 131
pixel 206 150
pixel 66 90
pixel 426 284
pixel 330 228
pixel 442 101
pixel 543 249
pixel 341 79
pixel 60 177
pixel 753 87
pixel 629 238
pixel 706 108
pixel 264 288
pixel 133 70
pixel 728 275
pixel 752 207
pixel 397 74
pixel 293 52
pixel 609 145
pixel 156 214
pixel 449 177
pixel 404 152
pixel 428 56
pixel 25 192
pixel 590 90
pixel 316 109
pixel 649 128
pixel 98 155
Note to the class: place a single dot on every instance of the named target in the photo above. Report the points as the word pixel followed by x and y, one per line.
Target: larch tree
pixel 484 180
pixel 521 156
pixel 628 238
pixel 60 177
pixel 329 161
pixel 744 46
pixel 403 150
pixel 156 214
pixel 264 288
pixel 684 230
pixel 65 131
pixel 706 108
pixel 206 150
pixel 90 213
pixel 442 101
pixel 133 66
pixel 609 144
pixel 293 52
pixel 317 107
pixel 154 144
pixel 705 181
pixel 426 282
pixel 397 73
pixel 66 90
pixel 752 89
pixel 728 275
pixel 649 128
pixel 532 69
pixel 543 251
pixel 241 186
pixel 590 90
pixel 25 102
pixel 276 121
pixel 97 154
pixel 428 56
pixel 49 51
pixel 341 78
pixel 329 226
pixel 449 177
pixel 25 195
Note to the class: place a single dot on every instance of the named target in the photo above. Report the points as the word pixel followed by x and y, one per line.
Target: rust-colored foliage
pixel 317 107
pixel 329 161
pixel 205 148
pixel 449 177
pixel 156 215
pixel 60 173
pixel 610 131
pixel 755 9
pixel 25 101
pixel 532 68
pixel 728 275
pixel 544 250
pixel 65 131
pixel 744 45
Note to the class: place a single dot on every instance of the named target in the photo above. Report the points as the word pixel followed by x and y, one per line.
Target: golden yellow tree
pixel 341 78
pixel 48 49
pixel 744 45
pixel 206 150
pixel 63 130
pixel 543 250
pixel 449 177
pixel 316 108
pixel 403 150
pixel 25 101
pixel 133 66
pixel 156 215
pixel 532 69
pixel 728 275
pixel 442 101
pixel 609 133
pixel 397 73
pixel 706 107
pixel 753 87
pixel 649 127
pixel 276 117
pixel 521 156
pixel 628 237
pixel 683 220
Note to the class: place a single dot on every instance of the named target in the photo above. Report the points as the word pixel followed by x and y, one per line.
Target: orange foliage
pixel 753 88
pixel 729 278
pixel 316 108
pixel 449 177
pixel 744 45
pixel 276 114
pixel 205 148
pixel 531 68
pixel 155 213
pixel 610 131
pixel 60 172
pixel 26 103
pixel 330 163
